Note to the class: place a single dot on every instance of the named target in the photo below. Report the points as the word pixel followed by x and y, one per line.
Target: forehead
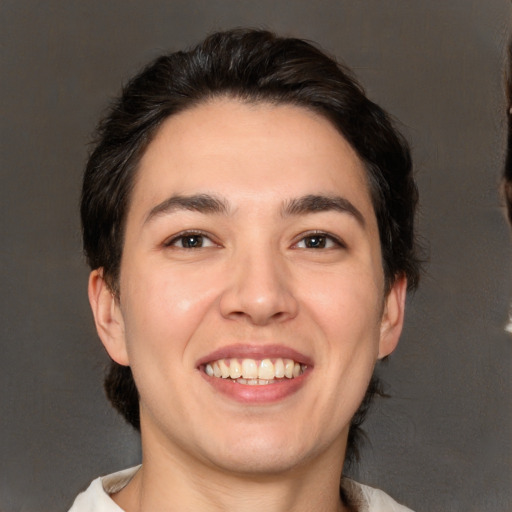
pixel 249 150
pixel 226 135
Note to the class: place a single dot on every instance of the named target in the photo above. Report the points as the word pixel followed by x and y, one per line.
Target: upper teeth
pixel 265 369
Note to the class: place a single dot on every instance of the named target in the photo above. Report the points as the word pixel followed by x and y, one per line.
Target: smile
pixel 255 372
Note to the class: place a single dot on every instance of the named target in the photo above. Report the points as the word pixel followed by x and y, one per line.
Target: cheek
pixel 348 311
pixel 346 302
pixel 163 307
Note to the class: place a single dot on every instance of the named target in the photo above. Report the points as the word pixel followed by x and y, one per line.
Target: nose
pixel 259 289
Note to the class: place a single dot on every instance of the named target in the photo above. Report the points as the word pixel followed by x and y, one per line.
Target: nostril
pixel 261 315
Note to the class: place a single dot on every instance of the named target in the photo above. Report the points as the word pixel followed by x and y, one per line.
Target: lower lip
pixel 267 393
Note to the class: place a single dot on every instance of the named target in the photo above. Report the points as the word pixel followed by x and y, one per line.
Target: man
pixel 248 217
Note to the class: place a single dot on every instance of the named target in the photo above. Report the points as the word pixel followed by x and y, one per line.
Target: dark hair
pixel 507 174
pixel 252 66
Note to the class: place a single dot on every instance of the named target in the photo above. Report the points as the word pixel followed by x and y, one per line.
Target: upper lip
pixel 241 351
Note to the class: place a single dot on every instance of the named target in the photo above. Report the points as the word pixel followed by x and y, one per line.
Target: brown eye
pixel 315 242
pixel 318 241
pixel 190 241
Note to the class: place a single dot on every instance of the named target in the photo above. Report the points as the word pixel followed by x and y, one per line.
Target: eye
pixel 190 240
pixel 318 241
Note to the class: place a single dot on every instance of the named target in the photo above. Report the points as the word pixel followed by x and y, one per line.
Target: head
pixel 251 68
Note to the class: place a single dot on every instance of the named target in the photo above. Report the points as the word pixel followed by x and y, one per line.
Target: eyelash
pixel 327 237
pixel 171 242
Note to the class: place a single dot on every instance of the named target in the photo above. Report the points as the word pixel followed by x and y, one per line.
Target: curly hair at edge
pixel 252 66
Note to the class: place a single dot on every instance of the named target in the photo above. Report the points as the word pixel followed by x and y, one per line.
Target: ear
pixel 108 317
pixel 392 317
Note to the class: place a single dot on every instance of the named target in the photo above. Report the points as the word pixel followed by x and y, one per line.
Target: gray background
pixel 443 441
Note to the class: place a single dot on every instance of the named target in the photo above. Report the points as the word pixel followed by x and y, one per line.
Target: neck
pixel 172 482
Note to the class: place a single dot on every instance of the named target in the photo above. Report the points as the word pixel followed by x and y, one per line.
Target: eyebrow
pixel 321 203
pixel 207 204
pixel 202 203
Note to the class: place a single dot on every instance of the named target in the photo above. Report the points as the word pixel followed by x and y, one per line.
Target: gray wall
pixel 443 441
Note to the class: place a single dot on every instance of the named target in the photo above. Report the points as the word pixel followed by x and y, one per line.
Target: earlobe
pixel 392 317
pixel 107 317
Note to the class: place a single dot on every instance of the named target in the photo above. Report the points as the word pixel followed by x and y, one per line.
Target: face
pixel 251 306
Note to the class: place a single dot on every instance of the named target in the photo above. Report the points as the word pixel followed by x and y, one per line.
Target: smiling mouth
pixel 255 372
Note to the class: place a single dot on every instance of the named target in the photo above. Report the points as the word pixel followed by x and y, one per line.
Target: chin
pixel 260 464
pixel 264 455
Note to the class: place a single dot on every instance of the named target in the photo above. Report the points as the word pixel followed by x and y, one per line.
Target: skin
pixel 258 280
